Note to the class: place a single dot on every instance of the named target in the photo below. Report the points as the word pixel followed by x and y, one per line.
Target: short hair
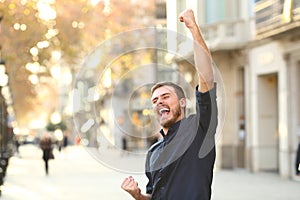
pixel 178 90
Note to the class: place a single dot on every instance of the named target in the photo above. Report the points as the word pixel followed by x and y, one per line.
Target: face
pixel 167 107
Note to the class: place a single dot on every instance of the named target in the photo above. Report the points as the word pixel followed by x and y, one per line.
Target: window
pixel 220 10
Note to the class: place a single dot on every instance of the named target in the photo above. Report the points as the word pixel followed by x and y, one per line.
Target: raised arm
pixel 202 56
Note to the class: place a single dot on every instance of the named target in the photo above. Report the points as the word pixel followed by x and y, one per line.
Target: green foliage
pixel 52 127
pixel 79 25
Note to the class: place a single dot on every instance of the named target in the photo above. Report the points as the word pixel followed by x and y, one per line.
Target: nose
pixel 159 101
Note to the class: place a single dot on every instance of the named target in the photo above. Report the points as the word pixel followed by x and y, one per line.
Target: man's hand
pixel 131 186
pixel 188 18
pixel 202 56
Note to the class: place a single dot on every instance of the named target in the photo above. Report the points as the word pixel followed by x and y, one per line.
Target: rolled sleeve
pixel 207 107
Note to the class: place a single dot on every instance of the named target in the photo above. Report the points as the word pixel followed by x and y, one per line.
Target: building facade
pixel 255 47
pixel 273 71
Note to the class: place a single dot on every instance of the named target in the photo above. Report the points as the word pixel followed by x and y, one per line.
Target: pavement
pixel 76 174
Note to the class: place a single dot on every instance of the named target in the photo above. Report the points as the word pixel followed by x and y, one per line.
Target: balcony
pixel 273 17
pixel 227 35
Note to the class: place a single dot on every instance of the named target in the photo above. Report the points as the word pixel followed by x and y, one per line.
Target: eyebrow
pixel 164 94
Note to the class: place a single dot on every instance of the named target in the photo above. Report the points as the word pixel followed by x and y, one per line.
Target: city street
pixel 80 71
pixel 75 174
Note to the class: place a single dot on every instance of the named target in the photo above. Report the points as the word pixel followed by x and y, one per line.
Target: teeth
pixel 161 111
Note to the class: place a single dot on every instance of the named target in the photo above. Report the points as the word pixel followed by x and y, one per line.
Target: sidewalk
pixel 242 185
pixel 75 174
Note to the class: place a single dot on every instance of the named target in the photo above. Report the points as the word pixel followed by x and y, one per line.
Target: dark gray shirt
pixel 180 166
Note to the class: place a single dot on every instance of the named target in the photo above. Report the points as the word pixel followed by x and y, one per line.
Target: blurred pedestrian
pixel 60 145
pixel 17 145
pixel 298 161
pixel 77 140
pixel 46 146
pixel 124 146
pixel 180 166
pixel 65 141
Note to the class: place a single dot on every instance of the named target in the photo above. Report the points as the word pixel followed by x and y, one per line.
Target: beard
pixel 172 117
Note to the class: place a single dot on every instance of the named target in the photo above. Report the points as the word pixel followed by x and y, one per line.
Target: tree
pixel 52 127
pixel 77 28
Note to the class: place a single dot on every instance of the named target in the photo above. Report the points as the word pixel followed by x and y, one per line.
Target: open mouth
pixel 164 111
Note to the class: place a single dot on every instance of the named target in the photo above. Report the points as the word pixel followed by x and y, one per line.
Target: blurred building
pixel 7 139
pixel 255 46
pixel 272 73
pixel 113 107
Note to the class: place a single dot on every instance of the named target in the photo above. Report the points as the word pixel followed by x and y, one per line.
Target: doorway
pixel 267 136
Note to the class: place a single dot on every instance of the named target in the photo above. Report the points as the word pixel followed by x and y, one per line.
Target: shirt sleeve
pixel 207 108
pixel 149 186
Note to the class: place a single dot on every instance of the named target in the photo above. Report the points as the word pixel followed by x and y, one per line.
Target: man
pixel 180 166
pixel 46 146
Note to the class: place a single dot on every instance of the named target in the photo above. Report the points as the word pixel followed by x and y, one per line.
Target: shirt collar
pixel 172 129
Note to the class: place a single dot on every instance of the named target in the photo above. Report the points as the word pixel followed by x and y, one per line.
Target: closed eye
pixel 154 100
pixel 163 96
pixel 166 96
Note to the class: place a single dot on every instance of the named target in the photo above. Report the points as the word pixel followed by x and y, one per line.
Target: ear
pixel 182 102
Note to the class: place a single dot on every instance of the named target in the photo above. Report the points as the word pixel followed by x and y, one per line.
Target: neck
pixel 165 130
